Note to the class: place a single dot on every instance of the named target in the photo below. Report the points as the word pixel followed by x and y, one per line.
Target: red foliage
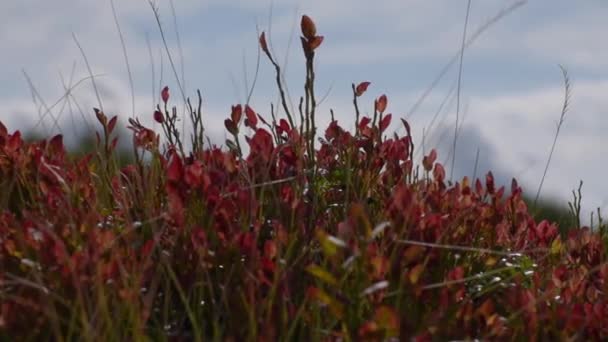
pixel 381 103
pixel 263 44
pixel 164 94
pixel 361 88
pixel 252 120
pixel 159 117
pixel 309 29
pixel 357 247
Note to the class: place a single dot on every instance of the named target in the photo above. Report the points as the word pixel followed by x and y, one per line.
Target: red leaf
pixel 146 138
pixel 268 265
pixel 270 249
pixel 439 173
pixel 427 161
pixel 386 121
pixel 408 165
pixel 500 192
pixel 311 292
pixel 514 186
pixel 433 155
pixel 164 94
pixel 263 44
pixel 367 330
pixel 367 132
pixel 261 145
pixel 478 187
pixel 333 131
pixel 176 204
pixel 147 248
pixel 407 126
pixel 101 117
pixel 114 142
pixel 381 104
pixel 246 242
pixel 456 273
pixel 490 182
pixel 231 127
pixel 237 112
pixel 14 142
pixel 198 238
pixel 252 120
pixel 3 130
pixel 309 29
pixel 194 174
pixel 486 309
pixel 315 42
pixel 159 117
pixel 284 125
pixel 56 143
pixel 112 124
pixel 361 88
pixel 176 169
pixel 363 122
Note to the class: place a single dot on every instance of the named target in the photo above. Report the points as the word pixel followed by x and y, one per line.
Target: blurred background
pixel 511 94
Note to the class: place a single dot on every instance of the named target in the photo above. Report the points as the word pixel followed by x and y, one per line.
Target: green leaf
pixel 336 308
pixel 321 274
pixel 329 244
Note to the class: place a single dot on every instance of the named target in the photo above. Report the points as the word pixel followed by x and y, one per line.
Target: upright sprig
pixel 109 143
pixel 565 106
pixel 310 42
pixel 232 126
pixel 105 147
pixel 264 47
pixel 357 92
pixel 168 121
pixel 198 129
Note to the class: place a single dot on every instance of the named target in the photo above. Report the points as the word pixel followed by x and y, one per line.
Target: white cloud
pixel 521 128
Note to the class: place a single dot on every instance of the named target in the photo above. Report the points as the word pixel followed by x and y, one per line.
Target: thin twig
pixel 257 70
pixel 464 37
pixel 68 92
pixel 280 86
pixel 469 278
pixel 567 94
pixel 286 60
pixel 36 94
pixel 476 163
pixel 179 44
pixel 181 58
pixel 162 35
pixel 326 94
pixel 69 98
pixel 153 70
pixel 469 249
pixel 86 61
pixel 501 14
pixel 357 112
pixel 126 56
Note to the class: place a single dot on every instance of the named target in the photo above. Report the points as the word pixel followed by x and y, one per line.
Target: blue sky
pixel 511 96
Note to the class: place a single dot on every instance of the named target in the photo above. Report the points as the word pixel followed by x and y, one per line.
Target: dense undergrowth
pixel 330 235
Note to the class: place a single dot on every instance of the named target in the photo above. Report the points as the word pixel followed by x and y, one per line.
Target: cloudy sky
pixel 510 101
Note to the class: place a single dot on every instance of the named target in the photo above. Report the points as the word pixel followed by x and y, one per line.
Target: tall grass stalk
pixel 566 103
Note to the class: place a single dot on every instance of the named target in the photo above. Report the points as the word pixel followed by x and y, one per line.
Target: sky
pixel 511 94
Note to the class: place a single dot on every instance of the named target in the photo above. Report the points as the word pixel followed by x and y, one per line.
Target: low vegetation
pixel 289 233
